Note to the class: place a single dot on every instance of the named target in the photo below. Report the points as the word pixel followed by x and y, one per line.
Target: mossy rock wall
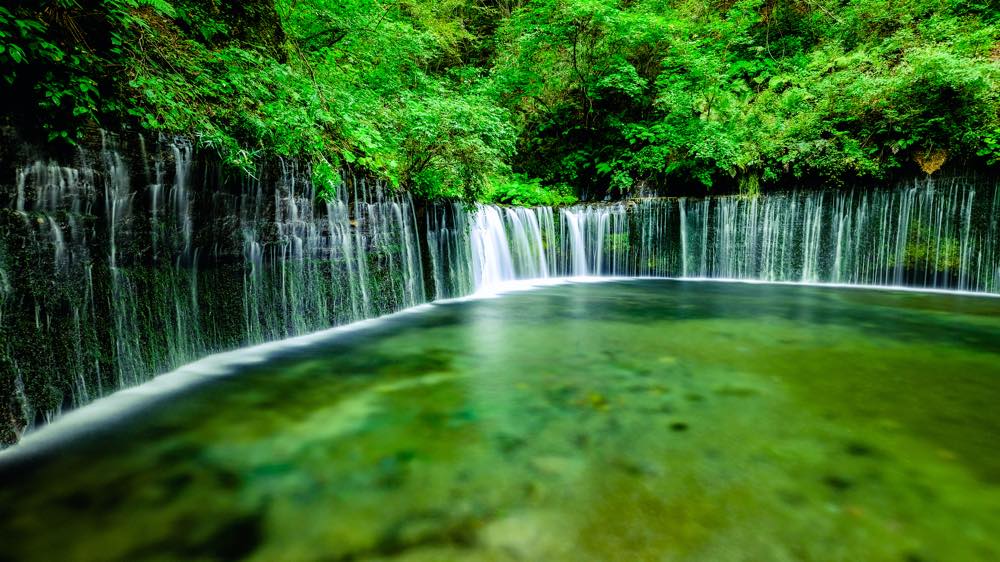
pixel 126 259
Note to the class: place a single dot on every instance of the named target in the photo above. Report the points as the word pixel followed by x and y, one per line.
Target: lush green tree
pixel 666 92
pixel 513 100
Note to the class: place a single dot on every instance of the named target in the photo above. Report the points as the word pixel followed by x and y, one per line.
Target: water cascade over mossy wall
pixel 136 257
pixel 942 234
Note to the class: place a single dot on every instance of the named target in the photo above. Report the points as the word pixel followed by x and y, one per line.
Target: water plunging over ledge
pixel 933 234
pixel 127 263
pixel 132 260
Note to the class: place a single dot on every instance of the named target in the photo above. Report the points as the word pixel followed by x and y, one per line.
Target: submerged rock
pixel 529 535
pixel 554 465
pixel 838 483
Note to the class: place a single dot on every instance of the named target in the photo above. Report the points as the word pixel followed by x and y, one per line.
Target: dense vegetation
pixel 524 101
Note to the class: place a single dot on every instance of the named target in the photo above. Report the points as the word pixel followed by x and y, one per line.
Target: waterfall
pixel 504 244
pixel 527 247
pixel 127 261
pixel 574 245
pixel 450 247
pixel 492 260
pixel 130 261
pixel 180 197
pixel 942 234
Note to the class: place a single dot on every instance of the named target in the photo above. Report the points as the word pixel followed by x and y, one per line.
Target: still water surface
pixel 632 420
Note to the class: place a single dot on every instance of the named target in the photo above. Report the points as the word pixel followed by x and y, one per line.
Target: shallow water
pixel 633 421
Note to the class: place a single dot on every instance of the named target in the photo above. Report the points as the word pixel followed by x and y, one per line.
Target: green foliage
pixel 611 93
pixel 991 146
pixel 522 191
pixel 925 251
pixel 325 178
pixel 23 42
pixel 513 101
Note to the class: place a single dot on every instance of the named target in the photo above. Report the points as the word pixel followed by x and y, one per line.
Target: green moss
pixel 926 251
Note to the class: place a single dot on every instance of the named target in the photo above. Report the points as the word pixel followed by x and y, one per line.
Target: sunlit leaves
pixel 471 99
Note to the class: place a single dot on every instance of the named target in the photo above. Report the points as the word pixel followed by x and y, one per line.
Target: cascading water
pixel 938 235
pixel 114 269
pixel 592 239
pixel 450 248
pixel 941 234
pixel 506 244
pixel 492 260
pixel 118 266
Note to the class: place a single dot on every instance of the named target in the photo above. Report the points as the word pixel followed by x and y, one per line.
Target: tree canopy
pixel 525 101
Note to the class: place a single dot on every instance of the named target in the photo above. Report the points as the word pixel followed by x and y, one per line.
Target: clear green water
pixel 633 421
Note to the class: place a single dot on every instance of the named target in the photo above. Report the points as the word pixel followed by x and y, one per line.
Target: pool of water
pixel 632 420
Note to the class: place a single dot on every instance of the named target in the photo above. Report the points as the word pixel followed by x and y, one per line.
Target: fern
pixel 160 6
